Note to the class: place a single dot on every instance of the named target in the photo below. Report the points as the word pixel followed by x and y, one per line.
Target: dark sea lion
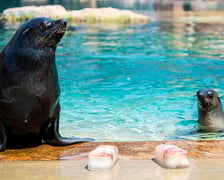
pixel 29 88
pixel 210 111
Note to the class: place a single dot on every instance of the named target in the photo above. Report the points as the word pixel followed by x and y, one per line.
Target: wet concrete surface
pixel 127 150
pixel 134 162
pixel 124 169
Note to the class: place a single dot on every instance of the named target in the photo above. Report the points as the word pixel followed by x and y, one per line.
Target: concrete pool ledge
pixel 127 150
pixel 134 162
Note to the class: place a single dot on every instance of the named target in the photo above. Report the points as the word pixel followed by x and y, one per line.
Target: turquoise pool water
pixel 137 83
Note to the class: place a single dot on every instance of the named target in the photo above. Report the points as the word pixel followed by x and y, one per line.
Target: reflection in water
pixel 172 174
pixel 196 39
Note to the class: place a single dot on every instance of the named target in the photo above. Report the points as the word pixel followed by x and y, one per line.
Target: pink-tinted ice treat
pixel 170 156
pixel 102 157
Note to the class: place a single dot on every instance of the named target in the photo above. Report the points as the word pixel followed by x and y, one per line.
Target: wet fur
pixel 210 111
pixel 29 87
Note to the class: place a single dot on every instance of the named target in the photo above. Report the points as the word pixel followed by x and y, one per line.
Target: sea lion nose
pixel 64 22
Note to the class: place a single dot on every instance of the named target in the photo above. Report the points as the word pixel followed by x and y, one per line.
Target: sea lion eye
pixel 210 94
pixel 46 24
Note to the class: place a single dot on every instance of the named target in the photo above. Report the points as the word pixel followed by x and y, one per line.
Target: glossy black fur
pixel 29 87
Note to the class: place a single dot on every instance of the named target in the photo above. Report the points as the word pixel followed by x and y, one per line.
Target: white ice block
pixel 102 157
pixel 170 156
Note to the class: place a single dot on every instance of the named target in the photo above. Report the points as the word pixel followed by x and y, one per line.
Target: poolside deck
pixel 135 162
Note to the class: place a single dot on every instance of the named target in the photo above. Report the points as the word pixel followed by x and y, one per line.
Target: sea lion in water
pixel 29 88
pixel 210 111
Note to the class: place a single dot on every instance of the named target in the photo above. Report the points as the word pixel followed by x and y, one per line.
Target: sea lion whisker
pixel 40 40
pixel 45 37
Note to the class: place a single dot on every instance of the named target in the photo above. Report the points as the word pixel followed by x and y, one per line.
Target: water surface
pixel 138 82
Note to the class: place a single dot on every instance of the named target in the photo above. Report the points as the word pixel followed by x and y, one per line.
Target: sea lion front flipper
pixel 52 136
pixel 3 137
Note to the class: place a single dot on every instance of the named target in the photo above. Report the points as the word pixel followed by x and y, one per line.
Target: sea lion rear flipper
pixel 3 137
pixel 53 137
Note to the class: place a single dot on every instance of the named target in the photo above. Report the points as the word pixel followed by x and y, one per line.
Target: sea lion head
pixel 40 32
pixel 208 99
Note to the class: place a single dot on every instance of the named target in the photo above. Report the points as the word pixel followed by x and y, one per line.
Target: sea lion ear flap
pixel 219 98
pixel 26 30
